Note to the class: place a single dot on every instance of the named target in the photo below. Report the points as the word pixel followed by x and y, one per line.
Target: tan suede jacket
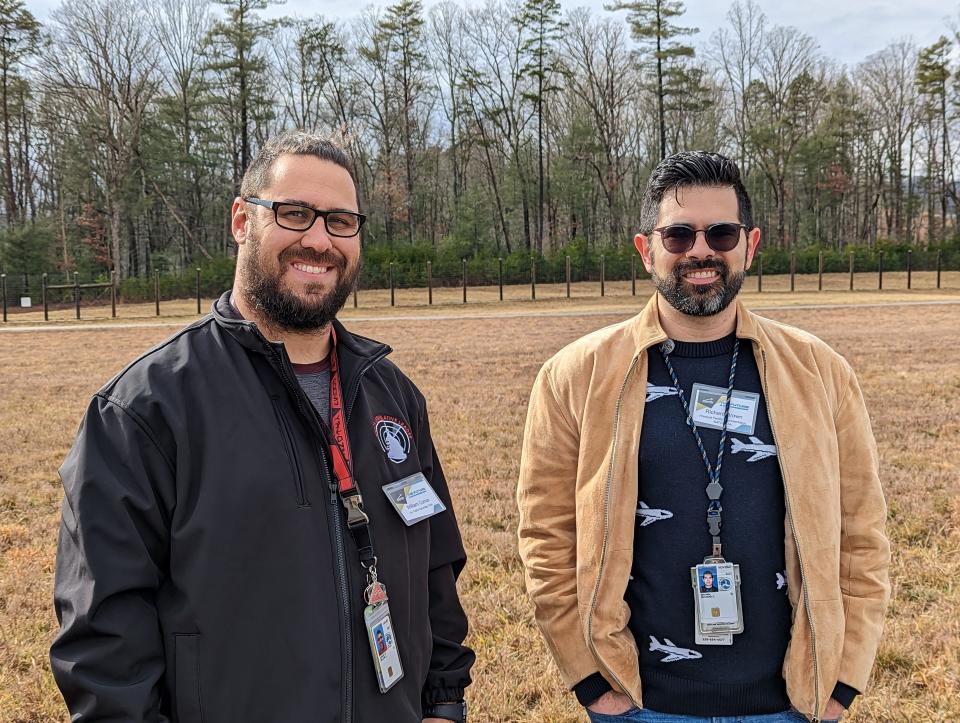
pixel 578 496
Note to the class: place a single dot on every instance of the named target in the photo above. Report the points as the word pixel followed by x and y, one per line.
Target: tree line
pixel 496 129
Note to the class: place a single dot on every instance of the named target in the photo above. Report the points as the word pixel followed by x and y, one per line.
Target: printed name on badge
pixel 707 405
pixel 413 498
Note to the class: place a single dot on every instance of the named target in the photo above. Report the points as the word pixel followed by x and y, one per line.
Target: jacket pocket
pixel 295 468
pixel 187 678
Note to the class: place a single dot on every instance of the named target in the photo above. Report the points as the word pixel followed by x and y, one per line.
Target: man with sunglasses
pixel 698 439
pixel 257 526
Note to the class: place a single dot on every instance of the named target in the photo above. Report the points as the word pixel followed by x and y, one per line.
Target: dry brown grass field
pixel 476 374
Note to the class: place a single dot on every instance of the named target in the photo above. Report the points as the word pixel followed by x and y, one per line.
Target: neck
pixel 684 327
pixel 303 347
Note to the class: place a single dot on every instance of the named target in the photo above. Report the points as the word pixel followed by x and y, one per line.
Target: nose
pixel 316 237
pixel 700 249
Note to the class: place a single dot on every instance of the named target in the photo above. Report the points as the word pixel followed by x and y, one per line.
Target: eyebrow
pixel 299 202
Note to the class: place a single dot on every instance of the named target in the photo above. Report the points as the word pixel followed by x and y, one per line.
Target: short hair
pixel 296 142
pixel 692 168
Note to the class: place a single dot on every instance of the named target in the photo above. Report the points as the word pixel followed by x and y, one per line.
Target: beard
pixel 282 308
pixel 699 299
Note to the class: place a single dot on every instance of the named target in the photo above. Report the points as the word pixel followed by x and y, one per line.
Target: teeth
pixel 702 274
pixel 312 269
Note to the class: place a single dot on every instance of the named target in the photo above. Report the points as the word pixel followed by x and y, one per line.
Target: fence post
pixel 43 294
pixel 533 277
pixel 633 275
pixel 198 291
pixel 392 286
pixel 760 272
pixel 3 290
pixel 430 283
pixel 793 268
pixel 156 290
pixel 909 267
pixel 355 284
pixel 851 271
pixel 568 277
pixel 603 274
pixel 464 263
pixel 820 271
pixel 500 275
pixel 113 294
pixel 939 259
pixel 76 291
pixel 880 270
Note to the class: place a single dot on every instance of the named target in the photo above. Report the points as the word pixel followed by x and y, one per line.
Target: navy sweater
pixel 740 679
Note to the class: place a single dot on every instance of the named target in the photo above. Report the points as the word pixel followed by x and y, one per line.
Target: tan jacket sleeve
pixel 546 495
pixel 864 549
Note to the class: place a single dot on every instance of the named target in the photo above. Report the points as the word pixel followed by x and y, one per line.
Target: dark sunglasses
pixel 678 238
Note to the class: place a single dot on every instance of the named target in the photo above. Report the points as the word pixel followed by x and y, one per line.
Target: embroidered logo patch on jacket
pixel 394 436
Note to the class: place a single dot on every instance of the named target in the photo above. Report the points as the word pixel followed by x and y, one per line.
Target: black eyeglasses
pixel 678 238
pixel 292 216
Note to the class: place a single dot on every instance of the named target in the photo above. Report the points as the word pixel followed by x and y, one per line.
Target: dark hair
pixel 692 168
pixel 295 142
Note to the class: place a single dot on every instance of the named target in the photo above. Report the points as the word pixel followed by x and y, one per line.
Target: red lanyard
pixel 339 441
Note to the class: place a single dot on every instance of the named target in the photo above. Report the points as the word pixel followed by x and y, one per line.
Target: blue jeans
pixel 645 715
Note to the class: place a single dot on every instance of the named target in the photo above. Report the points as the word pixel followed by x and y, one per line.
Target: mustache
pixel 313 257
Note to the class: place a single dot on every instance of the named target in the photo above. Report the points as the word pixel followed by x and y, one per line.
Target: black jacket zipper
pixel 334 514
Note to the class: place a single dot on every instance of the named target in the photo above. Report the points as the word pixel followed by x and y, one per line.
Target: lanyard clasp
pixel 355 514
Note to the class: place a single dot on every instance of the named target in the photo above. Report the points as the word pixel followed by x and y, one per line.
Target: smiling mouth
pixel 702 274
pixel 310 269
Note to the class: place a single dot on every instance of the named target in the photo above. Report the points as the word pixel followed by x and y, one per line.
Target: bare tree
pixel 101 59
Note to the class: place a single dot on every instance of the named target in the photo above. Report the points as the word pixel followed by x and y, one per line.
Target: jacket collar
pixel 647 330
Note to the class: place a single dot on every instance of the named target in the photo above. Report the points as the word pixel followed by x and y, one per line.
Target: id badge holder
pixel 383 645
pixel 383 641
pixel 716 597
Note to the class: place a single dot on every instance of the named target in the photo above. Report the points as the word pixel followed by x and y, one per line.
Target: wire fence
pixel 58 290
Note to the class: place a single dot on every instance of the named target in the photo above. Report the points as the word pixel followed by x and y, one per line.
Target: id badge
pixel 383 645
pixel 716 595
pixel 709 638
pixel 413 498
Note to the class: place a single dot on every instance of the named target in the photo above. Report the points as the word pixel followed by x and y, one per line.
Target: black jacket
pixel 204 570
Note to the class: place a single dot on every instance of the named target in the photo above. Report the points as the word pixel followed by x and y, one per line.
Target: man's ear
pixel 238 220
pixel 753 243
pixel 643 245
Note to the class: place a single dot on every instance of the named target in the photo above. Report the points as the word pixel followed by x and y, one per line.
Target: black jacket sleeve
pixel 108 658
pixel 451 660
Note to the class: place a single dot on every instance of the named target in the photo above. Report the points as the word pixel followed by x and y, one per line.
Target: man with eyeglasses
pixel 681 468
pixel 257 526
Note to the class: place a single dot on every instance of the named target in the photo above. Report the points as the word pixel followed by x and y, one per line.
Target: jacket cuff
pixel 844 694
pixel 442 695
pixel 591 688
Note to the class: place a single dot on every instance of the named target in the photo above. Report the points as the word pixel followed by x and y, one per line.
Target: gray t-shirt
pixel 314 378
pixel 315 381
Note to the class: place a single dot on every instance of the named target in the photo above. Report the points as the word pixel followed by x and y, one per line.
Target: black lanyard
pixel 714 489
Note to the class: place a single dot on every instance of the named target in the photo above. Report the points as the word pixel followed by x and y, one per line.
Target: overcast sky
pixel 847 30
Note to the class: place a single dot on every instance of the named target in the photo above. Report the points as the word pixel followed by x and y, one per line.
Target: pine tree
pixel 541 19
pixel 650 24
pixel 933 71
pixel 19 35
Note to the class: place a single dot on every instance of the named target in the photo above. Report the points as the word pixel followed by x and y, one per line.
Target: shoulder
pixel 799 346
pixel 610 345
pixel 175 356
